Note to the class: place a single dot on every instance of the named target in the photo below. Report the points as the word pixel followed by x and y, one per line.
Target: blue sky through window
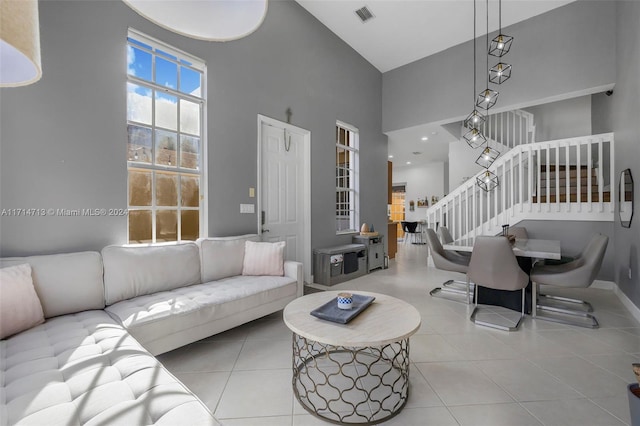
pixel 167 73
pixel 139 63
pixel 190 82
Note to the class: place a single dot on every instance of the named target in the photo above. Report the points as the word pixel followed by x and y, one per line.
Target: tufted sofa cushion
pixel 222 257
pixel 169 319
pixel 85 369
pixel 131 271
pixel 56 276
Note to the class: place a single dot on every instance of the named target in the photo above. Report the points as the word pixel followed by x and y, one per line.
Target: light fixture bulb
pixel 475 119
pixel 500 46
pixel 135 156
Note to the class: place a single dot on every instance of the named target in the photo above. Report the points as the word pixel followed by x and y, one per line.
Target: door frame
pixel 306 186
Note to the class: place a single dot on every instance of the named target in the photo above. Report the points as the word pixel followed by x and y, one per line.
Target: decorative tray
pixel 369 234
pixel 330 311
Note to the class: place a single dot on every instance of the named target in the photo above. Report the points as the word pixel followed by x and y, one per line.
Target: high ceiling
pixel 403 31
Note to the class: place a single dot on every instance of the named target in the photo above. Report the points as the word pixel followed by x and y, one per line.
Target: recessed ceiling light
pixel 434 133
pixel 391 156
pixel 408 162
pixel 424 138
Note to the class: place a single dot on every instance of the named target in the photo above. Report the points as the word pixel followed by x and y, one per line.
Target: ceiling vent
pixel 364 14
pixel 416 153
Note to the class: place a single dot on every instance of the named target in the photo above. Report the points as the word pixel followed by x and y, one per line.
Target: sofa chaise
pixel 91 362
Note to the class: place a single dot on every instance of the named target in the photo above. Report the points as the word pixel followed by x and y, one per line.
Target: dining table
pixel 527 252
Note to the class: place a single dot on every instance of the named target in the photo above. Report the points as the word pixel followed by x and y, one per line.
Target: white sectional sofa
pixel 91 362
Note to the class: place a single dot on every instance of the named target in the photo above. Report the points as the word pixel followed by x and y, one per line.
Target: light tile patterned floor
pixel 461 374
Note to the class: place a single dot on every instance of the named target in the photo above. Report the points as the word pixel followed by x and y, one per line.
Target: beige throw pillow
pixel 20 307
pixel 263 258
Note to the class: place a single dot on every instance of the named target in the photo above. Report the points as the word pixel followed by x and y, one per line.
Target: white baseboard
pixel 610 285
pixel 631 307
pixel 604 285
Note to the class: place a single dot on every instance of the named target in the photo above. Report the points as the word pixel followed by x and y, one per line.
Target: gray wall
pixel 626 125
pixel 561 52
pixel 562 119
pixel 574 236
pixel 63 138
pixel 601 113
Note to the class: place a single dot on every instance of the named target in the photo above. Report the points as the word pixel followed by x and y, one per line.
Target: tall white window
pixel 165 141
pixel 347 185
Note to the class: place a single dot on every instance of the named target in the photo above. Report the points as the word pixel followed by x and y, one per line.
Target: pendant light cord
pixel 487 139
pixel 474 55
pixel 488 45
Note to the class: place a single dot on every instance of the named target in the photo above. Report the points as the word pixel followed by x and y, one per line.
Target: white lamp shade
pixel 19 43
pixel 213 20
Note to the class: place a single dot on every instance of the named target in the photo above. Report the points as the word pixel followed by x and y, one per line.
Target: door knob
pixel 265 230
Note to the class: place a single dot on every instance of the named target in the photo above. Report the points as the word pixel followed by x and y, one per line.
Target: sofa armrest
pixel 293 269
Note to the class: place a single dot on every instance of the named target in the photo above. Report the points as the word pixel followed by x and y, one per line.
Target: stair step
pixel 584 181
pixel 572 190
pixel 584 173
pixel 553 168
pixel 606 197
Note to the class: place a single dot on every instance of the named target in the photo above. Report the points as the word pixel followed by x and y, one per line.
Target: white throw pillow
pixel 263 258
pixel 20 307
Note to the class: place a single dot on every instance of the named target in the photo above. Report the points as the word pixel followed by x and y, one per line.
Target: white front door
pixel 284 189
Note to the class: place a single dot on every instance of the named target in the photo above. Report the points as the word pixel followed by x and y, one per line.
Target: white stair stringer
pixel 469 211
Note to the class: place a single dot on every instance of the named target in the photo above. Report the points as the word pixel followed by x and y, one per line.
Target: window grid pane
pixel 164 129
pixel 346 179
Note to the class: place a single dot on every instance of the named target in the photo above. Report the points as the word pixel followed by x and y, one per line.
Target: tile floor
pixel 461 374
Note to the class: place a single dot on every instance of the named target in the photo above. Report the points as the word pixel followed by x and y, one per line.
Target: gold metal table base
pixel 346 385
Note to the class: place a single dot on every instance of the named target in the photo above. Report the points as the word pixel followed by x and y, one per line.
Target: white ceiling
pixel 404 31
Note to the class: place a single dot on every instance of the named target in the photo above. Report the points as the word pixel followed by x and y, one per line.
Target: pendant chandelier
pixel 499 47
pixel 488 97
pixel 501 44
pixel 487 157
pixel 475 120
pixel 487 180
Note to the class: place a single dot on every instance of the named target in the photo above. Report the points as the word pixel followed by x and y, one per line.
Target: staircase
pixel 534 181
pixel 509 129
pixel 569 182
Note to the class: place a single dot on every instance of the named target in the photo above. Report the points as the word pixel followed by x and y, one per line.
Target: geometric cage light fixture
pixel 500 45
pixel 487 180
pixel 475 119
pixel 487 157
pixel 500 73
pixel 487 98
pixel 474 138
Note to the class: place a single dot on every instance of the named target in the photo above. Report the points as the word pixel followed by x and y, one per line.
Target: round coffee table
pixel 355 373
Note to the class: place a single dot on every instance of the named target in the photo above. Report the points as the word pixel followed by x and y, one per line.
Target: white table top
pixel 541 249
pixel 385 321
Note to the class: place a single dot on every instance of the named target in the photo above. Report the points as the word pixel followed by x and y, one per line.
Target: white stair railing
pixel 536 182
pixel 509 128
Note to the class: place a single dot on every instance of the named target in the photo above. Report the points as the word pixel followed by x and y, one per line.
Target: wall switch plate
pixel 247 208
pixel 252 192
